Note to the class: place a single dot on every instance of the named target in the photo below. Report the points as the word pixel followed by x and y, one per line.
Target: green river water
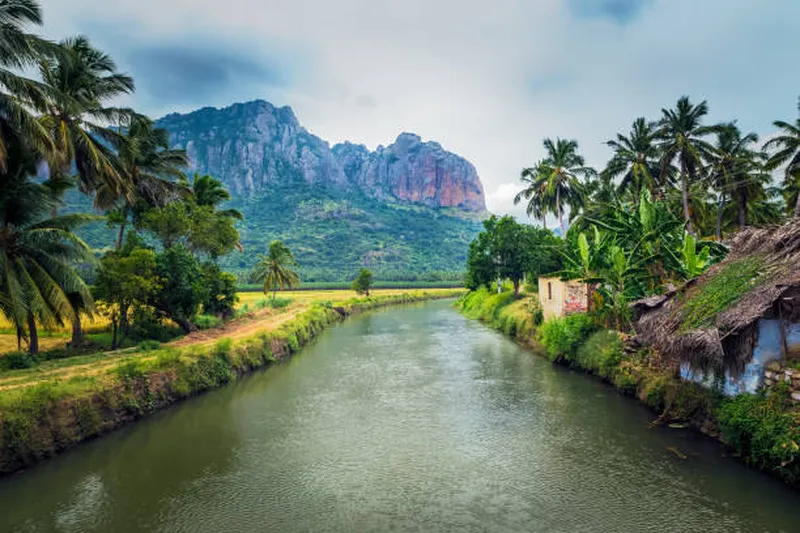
pixel 407 419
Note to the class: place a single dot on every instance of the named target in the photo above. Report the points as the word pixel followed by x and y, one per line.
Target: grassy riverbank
pixel 52 407
pixel 763 430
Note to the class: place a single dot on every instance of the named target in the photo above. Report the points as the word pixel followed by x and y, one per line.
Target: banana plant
pixel 693 263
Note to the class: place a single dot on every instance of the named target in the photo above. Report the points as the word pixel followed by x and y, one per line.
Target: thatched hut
pixel 744 310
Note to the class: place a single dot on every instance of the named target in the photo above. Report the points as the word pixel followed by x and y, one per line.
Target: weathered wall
pixel 559 298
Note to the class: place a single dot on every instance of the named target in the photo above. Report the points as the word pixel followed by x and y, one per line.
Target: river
pixel 407 419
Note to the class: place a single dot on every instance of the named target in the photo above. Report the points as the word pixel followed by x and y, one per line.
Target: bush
pixel 601 353
pixel 761 428
pixel 149 345
pixel 561 337
pixel 17 361
pixel 207 321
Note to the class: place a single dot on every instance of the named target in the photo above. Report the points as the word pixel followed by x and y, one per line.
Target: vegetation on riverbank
pixel 48 410
pixel 762 429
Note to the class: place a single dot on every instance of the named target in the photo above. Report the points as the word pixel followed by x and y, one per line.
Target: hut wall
pixel 767 354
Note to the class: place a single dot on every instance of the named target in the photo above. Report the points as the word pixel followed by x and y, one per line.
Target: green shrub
pixel 761 428
pixel 207 321
pixel 561 337
pixel 223 347
pixel 149 345
pixel 601 353
pixel 17 361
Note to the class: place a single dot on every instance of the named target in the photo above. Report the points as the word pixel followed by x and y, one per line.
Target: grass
pixel 734 280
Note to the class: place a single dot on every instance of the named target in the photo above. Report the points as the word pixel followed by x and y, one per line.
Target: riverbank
pixel 763 430
pixel 49 409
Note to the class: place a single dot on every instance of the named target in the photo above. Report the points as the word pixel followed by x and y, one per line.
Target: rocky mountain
pixel 405 210
pixel 253 146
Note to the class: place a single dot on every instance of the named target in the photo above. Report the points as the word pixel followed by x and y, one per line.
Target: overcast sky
pixel 486 79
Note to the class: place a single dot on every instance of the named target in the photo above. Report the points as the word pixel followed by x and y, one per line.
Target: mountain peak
pixel 254 145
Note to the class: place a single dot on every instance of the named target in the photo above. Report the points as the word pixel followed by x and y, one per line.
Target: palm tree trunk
pixel 685 194
pixel 120 236
pixel 742 209
pixel 274 293
pixel 33 336
pixel 559 214
pixel 720 206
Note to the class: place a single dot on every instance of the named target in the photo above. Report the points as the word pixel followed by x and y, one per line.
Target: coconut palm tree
pixel 153 172
pixel 555 182
pixel 20 49
pixel 210 192
pixel 681 138
pixel 37 254
pixel 79 82
pixel 737 172
pixel 275 269
pixel 537 203
pixel 636 160
pixel 786 148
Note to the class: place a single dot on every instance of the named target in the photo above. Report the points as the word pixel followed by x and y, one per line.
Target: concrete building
pixel 559 298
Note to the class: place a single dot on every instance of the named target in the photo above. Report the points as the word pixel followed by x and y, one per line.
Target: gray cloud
pixel 180 73
pixel 486 83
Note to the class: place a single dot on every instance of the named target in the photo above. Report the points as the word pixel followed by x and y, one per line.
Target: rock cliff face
pixel 254 145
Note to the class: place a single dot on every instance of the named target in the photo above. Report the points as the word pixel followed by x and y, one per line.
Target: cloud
pixel 621 11
pixel 486 82
pixel 178 72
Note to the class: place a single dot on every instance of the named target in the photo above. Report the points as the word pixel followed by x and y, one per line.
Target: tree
pixel 636 160
pixel 149 166
pixel 786 152
pixel 127 279
pixel 681 137
pixel 506 249
pixel 209 192
pixel 37 254
pixel 220 291
pixel 19 128
pixel 363 282
pixel 535 193
pixel 736 170
pixel 78 80
pixel 170 223
pixel 183 288
pixel 554 183
pixel 275 269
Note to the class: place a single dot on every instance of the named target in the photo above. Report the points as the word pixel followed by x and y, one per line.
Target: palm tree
pixel 736 170
pixel 681 135
pixel 36 258
pixel 210 192
pixel 636 159
pixel 19 49
pixel 787 152
pixel 538 204
pixel 79 81
pixel 554 183
pixel 148 166
pixel 275 269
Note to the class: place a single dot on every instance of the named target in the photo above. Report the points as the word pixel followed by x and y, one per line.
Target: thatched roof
pixel 727 339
